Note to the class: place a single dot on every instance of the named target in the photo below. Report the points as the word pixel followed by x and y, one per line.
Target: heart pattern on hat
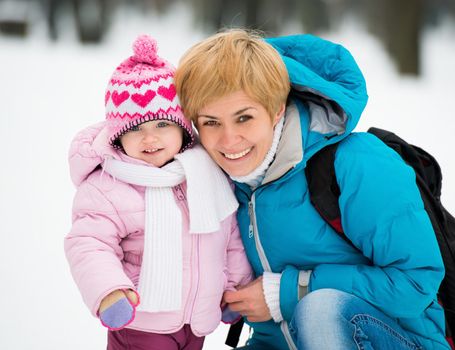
pixel 167 92
pixel 142 89
pixel 118 99
pixel 143 99
pixel 106 97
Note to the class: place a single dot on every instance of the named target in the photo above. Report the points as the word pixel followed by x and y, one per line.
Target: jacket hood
pixel 326 79
pixel 88 150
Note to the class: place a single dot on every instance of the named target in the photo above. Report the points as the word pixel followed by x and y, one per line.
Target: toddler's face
pixel 155 142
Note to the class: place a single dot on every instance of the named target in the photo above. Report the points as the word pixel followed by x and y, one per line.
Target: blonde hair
pixel 228 62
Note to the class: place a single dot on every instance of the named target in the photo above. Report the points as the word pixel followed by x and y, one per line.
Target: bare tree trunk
pixel 398 24
pixel 208 13
pixel 90 18
pixel 314 15
pixel 403 26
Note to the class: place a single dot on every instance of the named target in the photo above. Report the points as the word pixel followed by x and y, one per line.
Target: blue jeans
pixel 333 320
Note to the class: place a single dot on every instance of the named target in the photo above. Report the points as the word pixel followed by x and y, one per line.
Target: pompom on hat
pixel 142 89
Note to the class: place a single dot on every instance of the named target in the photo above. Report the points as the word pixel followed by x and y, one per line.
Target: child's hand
pixel 118 309
pixel 227 315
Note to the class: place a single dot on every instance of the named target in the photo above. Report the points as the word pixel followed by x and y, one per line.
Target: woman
pixel 263 109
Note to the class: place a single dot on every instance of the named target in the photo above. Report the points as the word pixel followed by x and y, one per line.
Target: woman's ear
pixel 279 114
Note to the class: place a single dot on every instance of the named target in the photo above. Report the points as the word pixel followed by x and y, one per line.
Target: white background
pixel 49 91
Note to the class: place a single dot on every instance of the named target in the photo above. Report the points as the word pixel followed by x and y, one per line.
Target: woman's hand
pixel 249 301
pixel 118 309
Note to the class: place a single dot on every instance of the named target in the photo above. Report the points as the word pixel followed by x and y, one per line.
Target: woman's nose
pixel 230 137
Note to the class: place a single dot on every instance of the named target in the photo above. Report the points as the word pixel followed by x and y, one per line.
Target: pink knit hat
pixel 142 89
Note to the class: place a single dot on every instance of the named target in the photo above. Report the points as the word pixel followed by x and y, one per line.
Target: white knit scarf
pixel 210 201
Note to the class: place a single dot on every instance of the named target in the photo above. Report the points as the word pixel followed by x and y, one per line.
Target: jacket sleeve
pixel 383 216
pixel 293 287
pixel 238 268
pixel 92 247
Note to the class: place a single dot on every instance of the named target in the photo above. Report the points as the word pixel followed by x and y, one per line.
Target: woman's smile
pixel 238 155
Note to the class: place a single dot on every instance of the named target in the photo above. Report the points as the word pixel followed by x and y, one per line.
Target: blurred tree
pixel 269 16
pixel 264 15
pixel 90 17
pixel 252 13
pixel 14 16
pixel 314 15
pixel 207 16
pixel 159 6
pixel 399 24
pixel 436 10
pixel 403 31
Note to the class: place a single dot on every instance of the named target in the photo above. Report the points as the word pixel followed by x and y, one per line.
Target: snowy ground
pixel 51 90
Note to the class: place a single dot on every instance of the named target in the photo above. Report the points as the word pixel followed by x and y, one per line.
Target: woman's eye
pixel 210 123
pixel 244 118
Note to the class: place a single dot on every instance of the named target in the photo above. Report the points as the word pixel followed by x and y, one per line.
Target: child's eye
pixel 134 128
pixel 244 118
pixel 162 124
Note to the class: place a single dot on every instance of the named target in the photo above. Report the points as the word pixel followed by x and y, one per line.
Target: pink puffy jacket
pixel 105 245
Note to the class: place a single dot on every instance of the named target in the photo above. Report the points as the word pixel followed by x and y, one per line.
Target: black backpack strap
pixel 323 186
pixel 234 333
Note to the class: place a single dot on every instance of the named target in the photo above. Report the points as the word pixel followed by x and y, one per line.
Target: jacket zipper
pixel 253 232
pixel 198 273
pixel 287 335
pixel 192 293
pixel 194 261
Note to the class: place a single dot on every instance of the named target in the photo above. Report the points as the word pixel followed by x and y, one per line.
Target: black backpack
pixel 325 192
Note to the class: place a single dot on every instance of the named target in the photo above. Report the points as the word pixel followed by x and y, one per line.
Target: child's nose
pixel 149 136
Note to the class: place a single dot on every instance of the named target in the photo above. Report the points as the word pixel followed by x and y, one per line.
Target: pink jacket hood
pixel 88 150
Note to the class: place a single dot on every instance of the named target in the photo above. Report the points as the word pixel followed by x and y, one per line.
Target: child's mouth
pixel 151 150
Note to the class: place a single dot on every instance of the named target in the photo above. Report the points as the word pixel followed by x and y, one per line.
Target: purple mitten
pixel 118 315
pixel 228 316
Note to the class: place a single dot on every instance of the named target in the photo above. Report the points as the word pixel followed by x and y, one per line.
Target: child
pixel 154 242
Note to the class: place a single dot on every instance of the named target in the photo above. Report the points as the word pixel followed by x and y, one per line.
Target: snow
pixel 53 89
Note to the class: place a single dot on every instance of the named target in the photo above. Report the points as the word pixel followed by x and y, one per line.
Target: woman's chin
pixel 236 168
pixel 235 173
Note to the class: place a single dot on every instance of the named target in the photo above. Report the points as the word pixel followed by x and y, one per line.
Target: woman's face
pixel 237 132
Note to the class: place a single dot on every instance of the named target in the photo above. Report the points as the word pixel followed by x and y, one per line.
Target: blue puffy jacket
pixel 399 268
